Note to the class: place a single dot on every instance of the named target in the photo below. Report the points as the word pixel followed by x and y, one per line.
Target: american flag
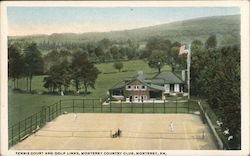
pixel 183 50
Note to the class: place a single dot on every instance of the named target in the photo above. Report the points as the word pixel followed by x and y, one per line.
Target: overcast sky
pixel 48 20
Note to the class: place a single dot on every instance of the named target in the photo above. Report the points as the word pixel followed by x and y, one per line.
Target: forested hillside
pixel 227 29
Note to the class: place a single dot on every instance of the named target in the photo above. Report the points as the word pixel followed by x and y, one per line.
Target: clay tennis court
pixel 92 131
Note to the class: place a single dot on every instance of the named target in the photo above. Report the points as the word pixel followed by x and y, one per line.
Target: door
pixel 136 98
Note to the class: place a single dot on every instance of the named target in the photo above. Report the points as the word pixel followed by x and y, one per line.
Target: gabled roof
pixel 166 78
pixel 119 85
pixel 156 83
pixel 124 83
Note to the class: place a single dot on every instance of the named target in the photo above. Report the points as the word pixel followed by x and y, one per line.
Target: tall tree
pixel 58 76
pixel 115 53
pixel 15 63
pixel 83 71
pixel 33 62
pixel 157 60
pixel 211 42
pixel 199 56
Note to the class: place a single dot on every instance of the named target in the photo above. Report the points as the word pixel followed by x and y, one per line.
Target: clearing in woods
pixel 92 131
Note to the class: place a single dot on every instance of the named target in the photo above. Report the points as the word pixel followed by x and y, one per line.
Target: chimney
pixel 183 75
pixel 140 73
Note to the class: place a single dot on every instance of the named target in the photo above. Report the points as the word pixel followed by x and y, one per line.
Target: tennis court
pixel 93 131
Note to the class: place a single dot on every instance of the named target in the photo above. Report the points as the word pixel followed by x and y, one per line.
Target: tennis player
pixel 172 126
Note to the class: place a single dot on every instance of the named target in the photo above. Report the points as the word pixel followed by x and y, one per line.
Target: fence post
pixel 164 106
pixel 93 105
pixel 25 127
pixel 110 107
pixel 121 106
pixel 49 113
pixel 101 107
pixel 188 105
pixel 12 133
pixel 41 117
pixel 19 129
pixel 36 120
pixel 56 110
pixel 176 105
pixel 83 105
pixel 142 107
pixel 45 114
pixel 153 106
pixel 132 107
pixel 30 124
pixel 73 106
pixel 60 105
pixel 52 112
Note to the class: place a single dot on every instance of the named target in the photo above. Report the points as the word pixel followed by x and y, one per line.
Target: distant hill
pixel 227 29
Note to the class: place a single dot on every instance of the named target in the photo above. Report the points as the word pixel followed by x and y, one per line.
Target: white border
pixel 244 5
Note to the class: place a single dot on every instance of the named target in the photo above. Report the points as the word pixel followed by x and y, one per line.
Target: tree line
pixel 215 76
pixel 64 69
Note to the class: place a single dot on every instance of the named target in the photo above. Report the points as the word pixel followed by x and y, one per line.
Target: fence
pixel 31 124
pixel 221 142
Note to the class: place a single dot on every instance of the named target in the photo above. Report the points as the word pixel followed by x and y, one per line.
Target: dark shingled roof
pixel 119 85
pixel 166 78
pixel 156 83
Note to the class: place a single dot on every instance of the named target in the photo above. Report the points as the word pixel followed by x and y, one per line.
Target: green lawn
pixel 22 105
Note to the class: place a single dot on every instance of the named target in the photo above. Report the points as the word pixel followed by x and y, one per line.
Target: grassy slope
pixel 23 105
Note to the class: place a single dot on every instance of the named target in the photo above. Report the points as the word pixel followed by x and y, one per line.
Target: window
pixel 129 87
pixel 142 87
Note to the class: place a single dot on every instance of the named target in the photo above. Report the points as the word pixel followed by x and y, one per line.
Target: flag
pixel 183 50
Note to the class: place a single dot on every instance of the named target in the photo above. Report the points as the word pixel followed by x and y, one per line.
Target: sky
pixel 48 20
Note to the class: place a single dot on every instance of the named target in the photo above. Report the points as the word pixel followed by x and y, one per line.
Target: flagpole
pixel 188 69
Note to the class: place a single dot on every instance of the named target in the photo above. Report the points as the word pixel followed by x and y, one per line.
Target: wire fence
pixel 33 123
pixel 217 134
